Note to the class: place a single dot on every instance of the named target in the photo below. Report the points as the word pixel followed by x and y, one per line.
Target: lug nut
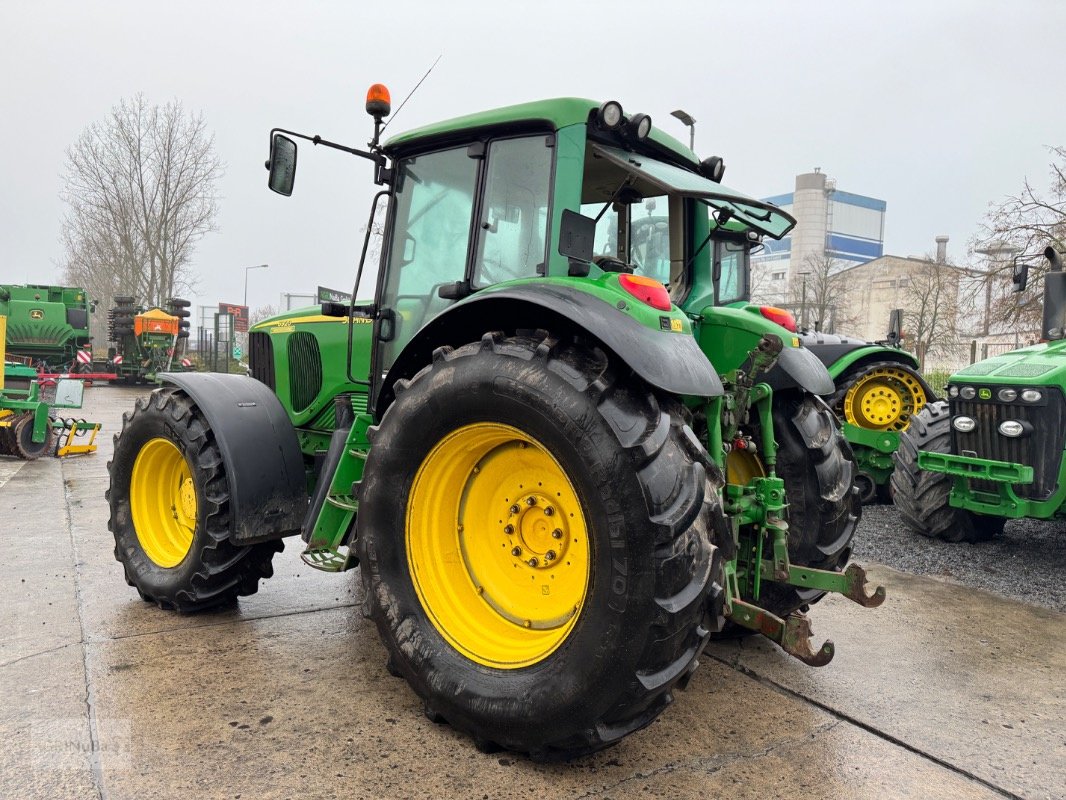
pixel 531 501
pixel 508 529
pixel 533 561
pixel 548 511
pixel 549 556
pixel 557 534
pixel 516 551
pixel 514 509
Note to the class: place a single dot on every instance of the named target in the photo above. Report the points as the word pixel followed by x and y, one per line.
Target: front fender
pixel 264 466
pixel 672 362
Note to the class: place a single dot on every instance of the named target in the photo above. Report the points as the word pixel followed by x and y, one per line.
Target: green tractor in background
pixel 558 476
pixel 993 450
pixel 48 326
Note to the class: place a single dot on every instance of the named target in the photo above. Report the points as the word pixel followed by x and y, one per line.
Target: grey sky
pixel 936 107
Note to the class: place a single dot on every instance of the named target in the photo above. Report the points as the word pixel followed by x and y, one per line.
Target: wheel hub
pixel 497 545
pixel 884 399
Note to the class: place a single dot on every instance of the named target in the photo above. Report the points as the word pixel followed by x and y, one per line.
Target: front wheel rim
pixel 497 545
pixel 163 502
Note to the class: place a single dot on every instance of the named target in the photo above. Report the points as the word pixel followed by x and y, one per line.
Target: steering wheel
pixel 612 264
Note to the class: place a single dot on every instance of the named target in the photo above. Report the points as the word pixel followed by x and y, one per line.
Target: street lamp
pixel 803 302
pixel 687 119
pixel 257 266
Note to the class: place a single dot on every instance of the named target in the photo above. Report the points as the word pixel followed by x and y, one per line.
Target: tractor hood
pixel 657 176
pixel 1039 365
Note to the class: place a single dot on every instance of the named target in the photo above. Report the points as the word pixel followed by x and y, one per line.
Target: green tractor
pixel 993 450
pixel 48 326
pixel 554 498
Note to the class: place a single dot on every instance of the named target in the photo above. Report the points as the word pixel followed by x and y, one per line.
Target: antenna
pixel 398 110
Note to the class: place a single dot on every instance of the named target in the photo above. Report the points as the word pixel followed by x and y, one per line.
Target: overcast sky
pixel 937 107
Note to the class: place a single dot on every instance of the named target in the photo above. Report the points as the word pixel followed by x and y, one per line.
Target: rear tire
pixel 639 499
pixel 170 511
pixel 815 462
pixel 924 498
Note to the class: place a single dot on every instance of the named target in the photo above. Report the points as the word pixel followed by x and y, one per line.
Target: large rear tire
pixel 545 581
pixel 170 509
pixel 815 462
pixel 923 498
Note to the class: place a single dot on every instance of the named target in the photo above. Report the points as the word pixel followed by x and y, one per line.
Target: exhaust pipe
pixel 1054 259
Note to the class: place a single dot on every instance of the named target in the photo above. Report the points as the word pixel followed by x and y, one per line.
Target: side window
pixel 650 239
pixel 733 258
pixel 514 214
pixel 430 239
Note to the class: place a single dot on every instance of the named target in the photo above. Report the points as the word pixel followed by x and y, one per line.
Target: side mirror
pixel 895 327
pixel 1020 275
pixel 69 394
pixel 282 165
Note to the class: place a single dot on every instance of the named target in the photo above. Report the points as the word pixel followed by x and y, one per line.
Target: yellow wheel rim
pixel 741 466
pixel 497 545
pixel 884 399
pixel 163 502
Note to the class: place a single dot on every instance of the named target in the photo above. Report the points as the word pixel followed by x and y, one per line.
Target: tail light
pixel 647 290
pixel 780 316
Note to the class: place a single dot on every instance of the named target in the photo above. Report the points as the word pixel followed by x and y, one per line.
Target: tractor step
pixel 329 559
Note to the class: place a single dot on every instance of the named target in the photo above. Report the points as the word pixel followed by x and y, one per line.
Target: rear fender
pixel 672 362
pixel 264 466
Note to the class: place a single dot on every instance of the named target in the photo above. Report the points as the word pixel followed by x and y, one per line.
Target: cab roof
pixel 558 112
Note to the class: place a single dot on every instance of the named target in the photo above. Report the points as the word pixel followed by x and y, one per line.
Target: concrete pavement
pixel 942 692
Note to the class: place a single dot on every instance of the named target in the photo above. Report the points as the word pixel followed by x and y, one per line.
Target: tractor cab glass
pixel 469 216
pixel 732 266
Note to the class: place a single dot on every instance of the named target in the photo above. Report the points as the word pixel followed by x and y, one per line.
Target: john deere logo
pixel 984 394
pixel 36 313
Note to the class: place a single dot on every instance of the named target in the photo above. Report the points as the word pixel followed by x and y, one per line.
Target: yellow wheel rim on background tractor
pixel 497 545
pixel 163 502
pixel 884 399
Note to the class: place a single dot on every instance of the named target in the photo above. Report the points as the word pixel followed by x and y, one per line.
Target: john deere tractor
pixel 993 450
pixel 558 464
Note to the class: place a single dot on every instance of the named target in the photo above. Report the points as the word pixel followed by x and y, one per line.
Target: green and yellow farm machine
pixel 28 429
pixel 47 326
pixel 993 450
pixel 559 464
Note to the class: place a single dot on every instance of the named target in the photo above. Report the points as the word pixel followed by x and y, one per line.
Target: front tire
pixel 170 509
pixel 553 656
pixel 924 498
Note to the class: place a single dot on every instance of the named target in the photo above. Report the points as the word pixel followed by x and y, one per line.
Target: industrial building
pixel 831 226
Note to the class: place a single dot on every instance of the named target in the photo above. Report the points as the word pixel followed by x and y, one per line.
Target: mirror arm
pixel 376 157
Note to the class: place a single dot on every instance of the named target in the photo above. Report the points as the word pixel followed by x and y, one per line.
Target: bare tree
pixel 930 302
pixel 140 193
pixel 1025 223
pixel 262 313
pixel 819 293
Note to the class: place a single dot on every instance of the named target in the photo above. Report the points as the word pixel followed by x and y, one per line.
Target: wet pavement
pixel 944 691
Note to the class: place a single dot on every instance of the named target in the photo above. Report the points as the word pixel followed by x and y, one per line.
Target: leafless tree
pixel 930 304
pixel 819 294
pixel 262 313
pixel 140 192
pixel 1026 223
